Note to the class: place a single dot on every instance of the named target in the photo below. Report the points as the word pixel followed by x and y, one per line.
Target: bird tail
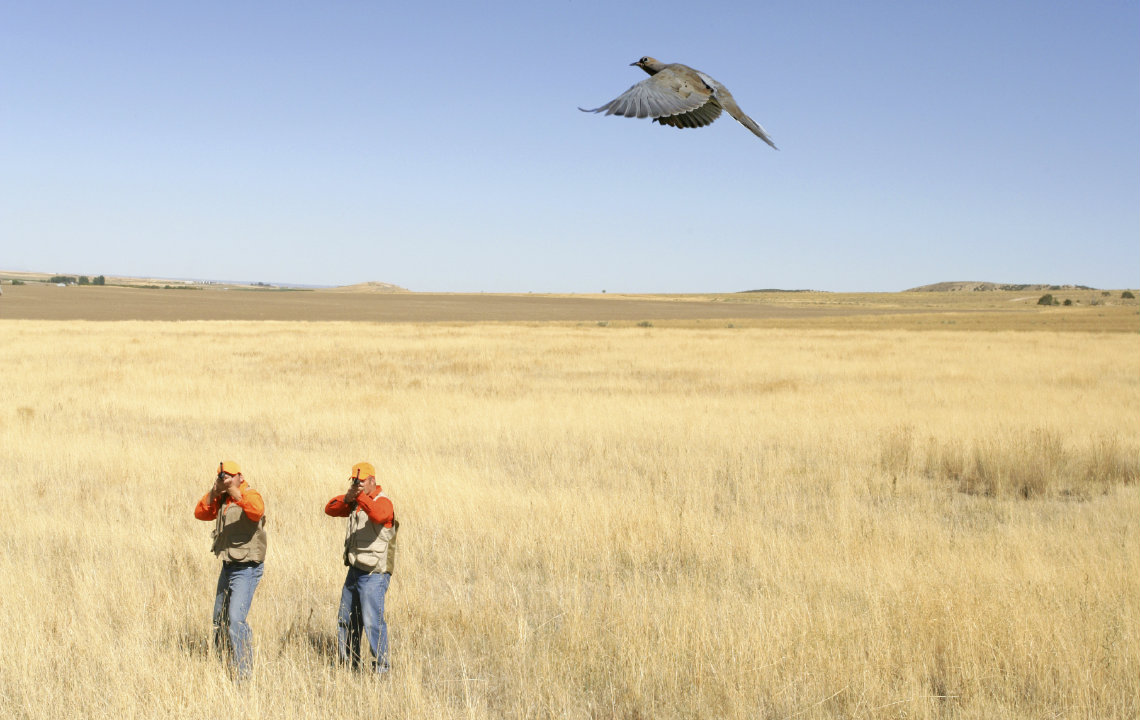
pixel 734 110
pixel 756 129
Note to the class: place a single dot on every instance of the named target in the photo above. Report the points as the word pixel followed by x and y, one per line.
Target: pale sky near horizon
pixel 438 146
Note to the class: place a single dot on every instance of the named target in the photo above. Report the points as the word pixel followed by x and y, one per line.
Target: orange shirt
pixel 379 509
pixel 251 504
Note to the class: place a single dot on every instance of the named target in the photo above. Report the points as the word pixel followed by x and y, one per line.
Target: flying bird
pixel 677 95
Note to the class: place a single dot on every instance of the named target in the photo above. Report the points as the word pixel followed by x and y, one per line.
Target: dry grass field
pixel 712 516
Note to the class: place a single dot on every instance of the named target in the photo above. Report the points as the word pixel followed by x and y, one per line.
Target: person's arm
pixel 251 503
pixel 337 507
pixel 379 510
pixel 207 507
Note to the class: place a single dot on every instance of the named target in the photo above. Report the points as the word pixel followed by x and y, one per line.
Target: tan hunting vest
pixel 369 546
pixel 236 537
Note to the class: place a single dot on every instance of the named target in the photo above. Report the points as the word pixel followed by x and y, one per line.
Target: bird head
pixel 649 65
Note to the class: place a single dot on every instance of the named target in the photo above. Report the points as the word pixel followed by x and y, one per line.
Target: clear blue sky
pixel 438 146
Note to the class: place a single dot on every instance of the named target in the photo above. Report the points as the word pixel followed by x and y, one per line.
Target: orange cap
pixel 229 467
pixel 363 470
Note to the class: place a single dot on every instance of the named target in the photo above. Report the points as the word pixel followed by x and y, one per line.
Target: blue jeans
pixel 362 613
pixel 232 635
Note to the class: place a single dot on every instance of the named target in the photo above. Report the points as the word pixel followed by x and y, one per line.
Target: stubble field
pixel 675 520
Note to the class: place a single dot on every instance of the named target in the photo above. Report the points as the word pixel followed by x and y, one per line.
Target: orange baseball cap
pixel 363 470
pixel 229 467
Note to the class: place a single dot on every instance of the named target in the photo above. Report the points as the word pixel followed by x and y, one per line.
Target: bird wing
pixel 724 97
pixel 700 117
pixel 663 95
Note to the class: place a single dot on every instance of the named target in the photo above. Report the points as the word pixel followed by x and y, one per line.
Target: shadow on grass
pixel 302 636
pixel 193 643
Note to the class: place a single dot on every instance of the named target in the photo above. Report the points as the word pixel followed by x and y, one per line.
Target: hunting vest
pixel 236 537
pixel 369 546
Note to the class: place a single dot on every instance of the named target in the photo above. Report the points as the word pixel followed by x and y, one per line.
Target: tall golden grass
pixel 596 522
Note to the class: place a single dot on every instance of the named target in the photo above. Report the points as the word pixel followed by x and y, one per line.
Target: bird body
pixel 678 96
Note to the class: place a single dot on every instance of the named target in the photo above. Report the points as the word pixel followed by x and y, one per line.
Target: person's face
pixel 232 480
pixel 368 485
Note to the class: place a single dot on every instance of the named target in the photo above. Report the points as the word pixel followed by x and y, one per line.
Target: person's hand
pixel 353 493
pixel 219 488
pixel 233 486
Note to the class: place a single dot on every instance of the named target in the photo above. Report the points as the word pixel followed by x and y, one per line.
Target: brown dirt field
pixel 917 311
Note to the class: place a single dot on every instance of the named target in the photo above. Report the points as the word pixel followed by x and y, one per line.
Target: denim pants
pixel 362 613
pixel 232 635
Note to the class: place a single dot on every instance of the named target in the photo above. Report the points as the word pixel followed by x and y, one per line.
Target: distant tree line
pixel 1048 299
pixel 80 280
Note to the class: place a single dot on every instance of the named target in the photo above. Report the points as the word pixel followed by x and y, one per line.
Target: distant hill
pixel 970 286
pixel 370 287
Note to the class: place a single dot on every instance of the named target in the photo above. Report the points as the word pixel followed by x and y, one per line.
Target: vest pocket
pixel 366 561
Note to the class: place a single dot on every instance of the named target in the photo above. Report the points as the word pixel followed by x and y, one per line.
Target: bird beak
pixel 635 63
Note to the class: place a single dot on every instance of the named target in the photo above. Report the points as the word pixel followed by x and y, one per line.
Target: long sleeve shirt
pixel 379 509
pixel 251 504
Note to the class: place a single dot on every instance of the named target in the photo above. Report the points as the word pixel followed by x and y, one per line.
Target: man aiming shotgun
pixel 370 554
pixel 238 512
